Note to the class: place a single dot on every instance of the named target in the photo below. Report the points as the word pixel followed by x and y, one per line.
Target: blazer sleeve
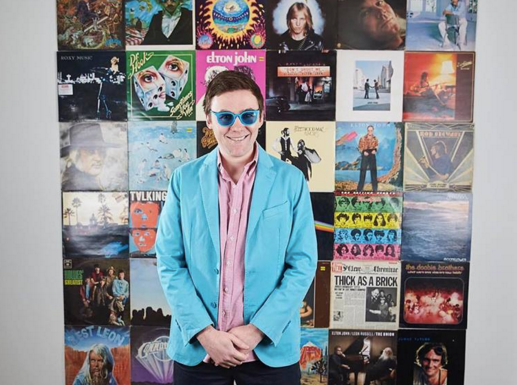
pixel 187 308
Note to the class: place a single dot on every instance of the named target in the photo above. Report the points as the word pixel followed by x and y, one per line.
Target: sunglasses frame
pixel 235 116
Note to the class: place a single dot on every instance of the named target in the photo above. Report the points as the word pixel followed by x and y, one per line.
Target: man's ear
pixel 209 121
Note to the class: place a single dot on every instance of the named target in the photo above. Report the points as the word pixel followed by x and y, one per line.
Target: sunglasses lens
pixel 225 119
pixel 249 117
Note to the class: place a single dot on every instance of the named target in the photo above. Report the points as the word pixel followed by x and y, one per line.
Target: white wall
pixel 31 305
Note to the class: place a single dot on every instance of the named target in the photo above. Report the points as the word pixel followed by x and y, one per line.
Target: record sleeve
pixel 307 308
pixel 322 295
pixel 313 356
pixel 322 208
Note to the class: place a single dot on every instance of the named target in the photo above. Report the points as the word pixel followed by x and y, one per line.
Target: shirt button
pixel 216 271
pixel 234 186
pixel 224 313
pixel 232 238
pixel 234 211
pixel 228 263
pixel 214 305
pixel 226 289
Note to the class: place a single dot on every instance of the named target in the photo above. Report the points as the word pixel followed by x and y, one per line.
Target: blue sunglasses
pixel 227 118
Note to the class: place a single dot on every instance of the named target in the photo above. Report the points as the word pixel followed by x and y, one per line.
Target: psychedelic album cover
pixel 210 63
pixel 301 86
pixel 148 304
pixel 428 29
pixel 230 24
pixel 145 208
pixel 308 25
pixel 146 22
pixel 431 356
pixel 369 157
pixel 90 24
pixel 91 86
pixel 97 354
pixel 309 146
pixel 150 364
pixel 313 356
pixel 439 87
pixel 156 149
pixel 370 355
pixel 434 295
pixel 437 227
pixel 307 308
pixel 370 86
pixel 95 224
pixel 323 211
pixel 322 295
pixel 96 291
pixel 161 85
pixel 371 25
pixel 93 156
pixel 439 157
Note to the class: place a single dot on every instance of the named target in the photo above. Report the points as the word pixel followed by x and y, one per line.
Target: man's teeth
pixel 238 139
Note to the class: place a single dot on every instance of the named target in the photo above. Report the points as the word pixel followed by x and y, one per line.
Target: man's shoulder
pixel 284 169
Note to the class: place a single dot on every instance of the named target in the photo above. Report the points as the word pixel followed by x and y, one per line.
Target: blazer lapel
pixel 210 194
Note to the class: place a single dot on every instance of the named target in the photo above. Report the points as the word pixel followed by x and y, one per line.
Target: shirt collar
pixel 248 168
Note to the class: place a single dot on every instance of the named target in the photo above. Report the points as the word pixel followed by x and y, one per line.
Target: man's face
pixel 298 22
pixel 454 2
pixel 375 293
pixel 370 131
pixel 97 270
pixel 170 5
pixel 431 363
pixel 91 160
pixel 339 351
pixel 96 363
pixel 121 275
pixel 144 239
pixel 369 237
pixel 378 20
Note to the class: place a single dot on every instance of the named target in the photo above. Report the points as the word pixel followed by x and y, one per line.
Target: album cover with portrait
pixel 206 140
pixel 91 86
pixel 161 85
pixel 307 308
pixel 95 224
pixel 323 211
pixel 309 146
pixel 301 86
pixel 439 157
pixel 322 295
pixel 313 356
pixel 230 24
pixel 439 87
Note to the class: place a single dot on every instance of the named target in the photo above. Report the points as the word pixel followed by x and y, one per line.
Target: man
pixel 440 167
pixel 338 371
pixel 430 359
pixel 372 306
pixel 97 368
pixel 367 89
pixel 283 145
pixel 172 25
pixel 368 146
pixel 384 367
pixel 121 287
pixel 236 251
pixel 376 87
pixel 459 9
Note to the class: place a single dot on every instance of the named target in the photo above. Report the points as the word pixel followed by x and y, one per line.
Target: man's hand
pixel 249 334
pixel 225 349
pixel 365 153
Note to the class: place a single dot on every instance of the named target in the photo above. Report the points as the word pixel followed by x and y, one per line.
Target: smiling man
pixel 236 250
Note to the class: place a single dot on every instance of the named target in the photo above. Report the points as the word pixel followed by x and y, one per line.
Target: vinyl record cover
pixel 439 87
pixel 307 308
pixel 161 85
pixel 434 295
pixel 322 295
pixel 97 353
pixel 148 304
pixel 323 208
pixel 156 149
pixel 370 86
pixel 301 86
pixel 369 157
pixel 439 157
pixel 91 86
pixel 313 356
pixel 230 24
pixel 431 355
pixel 309 146
pixel 437 227
pixel 90 24
pixel 96 291
pixel 210 63
pixel 95 224
pixel 301 26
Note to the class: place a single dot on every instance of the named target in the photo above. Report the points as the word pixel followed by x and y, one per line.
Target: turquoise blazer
pixel 280 257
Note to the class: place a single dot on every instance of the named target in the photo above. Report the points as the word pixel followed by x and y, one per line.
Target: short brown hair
pixel 308 15
pixel 228 81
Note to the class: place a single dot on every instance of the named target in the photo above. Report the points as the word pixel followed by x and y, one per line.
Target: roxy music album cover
pixel 307 308
pixel 301 86
pixel 206 140
pixel 210 63
pixel 309 146
pixel 362 357
pixel 434 295
pixel 156 149
pixel 93 156
pixel 369 157
pixel 160 85
pixel 150 364
pixel 144 213
pixel 91 86
pixel 230 24
pixel 322 295
pixel 439 157
pixel 95 224
pixel 431 356
pixel 437 227
pixel 96 291
pixel 97 354
pixel 439 87
pixel 371 25
pixel 313 356
pixel 323 209
pixel 148 304
pixel 90 24
pixel 308 25
pixel 158 22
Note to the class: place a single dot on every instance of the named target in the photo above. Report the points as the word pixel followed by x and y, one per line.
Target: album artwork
pixel 322 295
pixel 90 24
pixel 439 87
pixel 323 209
pixel 156 149
pixel 95 224
pixel 161 85
pixel 307 308
pixel 91 86
pixel 313 356
pixel 230 24
pixel 301 86
pixel 309 146
pixel 439 157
